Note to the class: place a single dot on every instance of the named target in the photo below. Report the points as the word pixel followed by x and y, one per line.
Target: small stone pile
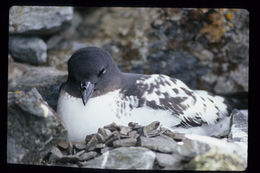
pixel 138 147
pixel 129 147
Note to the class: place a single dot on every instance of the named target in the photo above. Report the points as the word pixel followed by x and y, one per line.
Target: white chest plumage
pixel 81 120
pixel 115 107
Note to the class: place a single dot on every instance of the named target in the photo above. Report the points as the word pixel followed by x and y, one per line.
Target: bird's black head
pixel 90 72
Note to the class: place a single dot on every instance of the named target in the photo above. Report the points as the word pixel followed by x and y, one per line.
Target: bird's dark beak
pixel 86 89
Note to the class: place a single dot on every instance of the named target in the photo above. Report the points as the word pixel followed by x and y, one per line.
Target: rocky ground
pixel 206 48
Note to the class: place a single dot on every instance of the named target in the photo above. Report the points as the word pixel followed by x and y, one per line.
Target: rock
pixel 124 130
pixel 124 158
pixel 88 155
pixel 195 145
pixel 80 146
pixel 32 50
pixel 63 145
pixel 94 141
pixel 32 103
pixel 47 80
pixel 168 161
pixel 159 143
pixel 56 154
pixel 15 71
pixel 112 127
pixel 104 132
pixel 115 135
pixel 216 161
pixel 37 20
pixel 31 134
pixel 239 128
pixel 125 142
pixel 133 125
pixel 133 134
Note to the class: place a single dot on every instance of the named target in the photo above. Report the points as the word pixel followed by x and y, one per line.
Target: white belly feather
pixel 82 120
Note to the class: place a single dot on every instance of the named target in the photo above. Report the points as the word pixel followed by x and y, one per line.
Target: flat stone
pixel 112 137
pixel 112 127
pixel 31 50
pixel 134 125
pixel 124 158
pixel 124 130
pixel 159 143
pixel 152 126
pixel 133 134
pixel 80 146
pixel 94 140
pixel 87 155
pixel 104 132
pixel 63 145
pixel 125 142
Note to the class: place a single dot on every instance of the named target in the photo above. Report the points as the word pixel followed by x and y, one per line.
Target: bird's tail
pixel 237 100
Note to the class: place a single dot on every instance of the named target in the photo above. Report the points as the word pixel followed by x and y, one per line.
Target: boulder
pixel 124 158
pixel 31 50
pixel 216 161
pixel 47 80
pixel 33 128
pixel 37 20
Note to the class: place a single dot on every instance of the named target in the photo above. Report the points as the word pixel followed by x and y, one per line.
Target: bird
pixel 98 93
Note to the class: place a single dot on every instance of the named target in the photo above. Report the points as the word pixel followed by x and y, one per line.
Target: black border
pixel 252 139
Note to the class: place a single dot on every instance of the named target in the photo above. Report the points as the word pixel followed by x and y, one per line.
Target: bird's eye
pixel 101 72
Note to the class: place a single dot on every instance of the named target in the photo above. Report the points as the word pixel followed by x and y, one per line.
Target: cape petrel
pixel 97 93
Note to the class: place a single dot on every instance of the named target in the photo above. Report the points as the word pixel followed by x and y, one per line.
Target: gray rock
pixel 94 141
pixel 168 161
pixel 32 103
pixel 15 71
pixel 88 155
pixel 80 146
pixel 115 135
pixel 38 20
pixel 124 158
pixel 239 128
pixel 216 161
pixel 47 80
pixel 160 143
pixel 124 130
pixel 195 145
pixel 125 142
pixel 104 132
pixel 30 137
pixel 32 50
pixel 112 127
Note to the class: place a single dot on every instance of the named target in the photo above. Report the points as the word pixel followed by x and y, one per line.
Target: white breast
pixel 82 120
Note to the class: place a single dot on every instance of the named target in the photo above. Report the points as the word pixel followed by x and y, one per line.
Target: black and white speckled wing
pixel 191 107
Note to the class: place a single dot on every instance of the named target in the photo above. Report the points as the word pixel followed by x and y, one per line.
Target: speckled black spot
pixel 158 92
pixel 211 100
pixel 173 80
pixel 175 90
pixel 189 93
